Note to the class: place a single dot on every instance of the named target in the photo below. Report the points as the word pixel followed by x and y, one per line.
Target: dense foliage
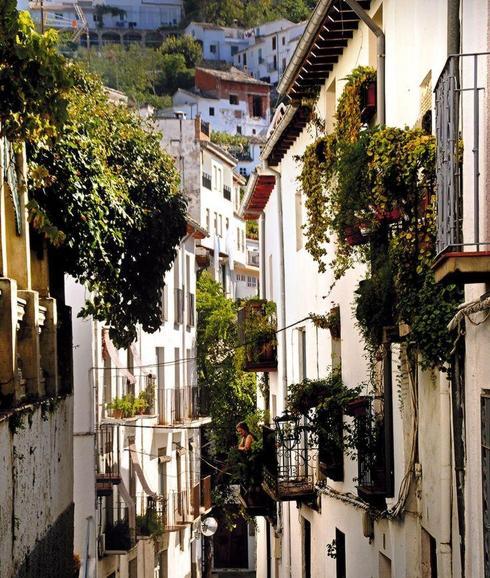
pixel 247 12
pixel 219 363
pixel 373 191
pixel 107 196
pixel 33 78
pixel 146 75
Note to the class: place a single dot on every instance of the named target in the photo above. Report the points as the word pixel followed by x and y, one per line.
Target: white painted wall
pixel 218 42
pixel 415 45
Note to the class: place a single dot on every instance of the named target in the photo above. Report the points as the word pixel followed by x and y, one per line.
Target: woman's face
pixel 240 431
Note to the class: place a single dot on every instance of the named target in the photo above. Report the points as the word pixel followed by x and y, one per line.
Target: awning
pixel 109 349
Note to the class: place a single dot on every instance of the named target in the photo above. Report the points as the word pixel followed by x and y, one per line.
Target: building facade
pixel 218 43
pixel 230 100
pixel 96 23
pixel 140 415
pixel 426 513
pixel 36 402
pixel 270 50
pixel 213 186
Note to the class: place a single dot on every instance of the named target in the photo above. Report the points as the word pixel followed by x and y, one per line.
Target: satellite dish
pixel 209 526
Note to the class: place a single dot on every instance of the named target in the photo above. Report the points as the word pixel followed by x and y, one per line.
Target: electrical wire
pixel 186 359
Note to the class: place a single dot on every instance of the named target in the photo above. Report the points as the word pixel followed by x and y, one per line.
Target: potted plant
pixel 118 407
pixel 330 321
pixel 258 325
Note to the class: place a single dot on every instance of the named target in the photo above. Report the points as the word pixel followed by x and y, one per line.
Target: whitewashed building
pixel 270 49
pixel 139 491
pixel 212 186
pixel 230 100
pixel 438 427
pixel 219 43
pixel 110 22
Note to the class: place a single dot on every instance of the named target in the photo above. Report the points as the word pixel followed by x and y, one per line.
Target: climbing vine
pixel 372 190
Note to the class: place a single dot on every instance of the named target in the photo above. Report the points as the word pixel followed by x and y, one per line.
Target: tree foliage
pixel 247 13
pixel 146 75
pixel 107 196
pixel 219 362
pixel 33 78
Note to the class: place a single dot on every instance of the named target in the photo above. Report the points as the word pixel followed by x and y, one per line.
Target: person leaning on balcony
pixel 247 437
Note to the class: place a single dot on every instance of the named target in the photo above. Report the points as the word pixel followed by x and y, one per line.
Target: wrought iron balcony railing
pixel 182 404
pixel 289 463
pixel 118 533
pixel 206 180
pixel 108 458
pixel 463 220
pixel 227 192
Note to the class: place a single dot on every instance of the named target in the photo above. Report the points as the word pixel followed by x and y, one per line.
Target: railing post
pixel 476 152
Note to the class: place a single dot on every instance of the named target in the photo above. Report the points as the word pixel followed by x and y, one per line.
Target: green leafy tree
pixel 219 363
pixel 33 78
pixel 107 197
pixel 185 45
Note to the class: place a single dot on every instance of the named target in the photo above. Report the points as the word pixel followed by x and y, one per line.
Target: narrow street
pixel 244 290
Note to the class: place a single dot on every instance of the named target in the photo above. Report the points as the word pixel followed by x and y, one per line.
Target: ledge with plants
pixel 323 402
pixel 130 406
pixel 372 190
pixel 257 322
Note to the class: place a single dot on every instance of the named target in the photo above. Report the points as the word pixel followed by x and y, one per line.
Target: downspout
pixel 380 57
pixel 445 549
pixel 277 174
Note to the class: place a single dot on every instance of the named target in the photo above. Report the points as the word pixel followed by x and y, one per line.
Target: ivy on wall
pixel 372 190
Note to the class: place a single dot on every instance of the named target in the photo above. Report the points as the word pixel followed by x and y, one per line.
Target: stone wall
pixel 36 501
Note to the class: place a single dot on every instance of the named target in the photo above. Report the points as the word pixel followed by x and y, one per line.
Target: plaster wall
pixel 36 505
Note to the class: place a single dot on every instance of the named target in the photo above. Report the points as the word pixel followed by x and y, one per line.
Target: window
pixel 234 50
pixel 164 304
pixel 244 60
pixel 340 553
pixel 257 109
pixel 212 48
pixel 243 171
pixel 217 177
pixel 227 223
pixel 251 281
pixel 283 64
pixel 238 238
pixel 207 219
pixel 211 111
pixel 239 59
pixel 216 223
pixel 283 40
pixel 275 63
pixel 274 43
pixel 298 205
pixel 239 130
pixel 307 548
pixel 302 353
pixel 177 367
pixel 233 99
pixel 160 355
pixel 261 60
pixel 220 226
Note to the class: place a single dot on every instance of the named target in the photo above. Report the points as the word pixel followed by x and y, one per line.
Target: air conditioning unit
pixel 101 546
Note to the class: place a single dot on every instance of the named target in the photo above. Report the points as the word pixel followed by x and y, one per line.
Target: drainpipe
pixel 380 54
pixel 277 174
pixel 445 550
pixel 453 27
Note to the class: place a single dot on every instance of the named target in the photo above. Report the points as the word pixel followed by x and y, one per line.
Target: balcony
pixel 253 258
pixel 206 500
pixel 257 327
pixel 206 180
pixel 227 192
pixel 151 518
pixel 118 535
pixel 108 454
pixel 373 478
pixel 463 221
pixel 289 464
pixel 182 404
